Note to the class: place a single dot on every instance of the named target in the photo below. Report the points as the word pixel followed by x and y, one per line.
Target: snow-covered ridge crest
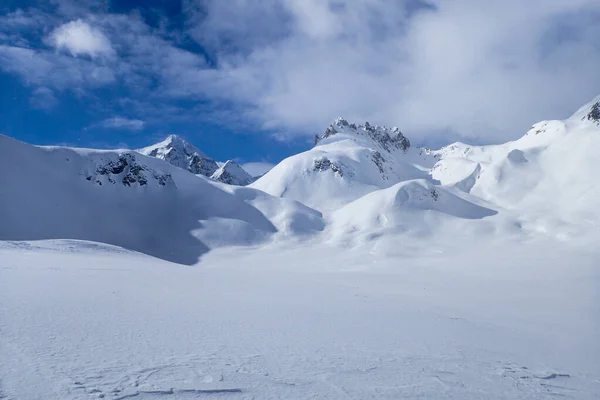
pixel 389 139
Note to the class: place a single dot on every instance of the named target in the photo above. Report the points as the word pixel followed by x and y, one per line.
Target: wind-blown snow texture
pixel 362 268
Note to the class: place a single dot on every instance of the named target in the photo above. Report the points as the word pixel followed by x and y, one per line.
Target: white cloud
pixel 257 168
pixel 122 123
pixel 78 37
pixel 452 68
pixel 458 69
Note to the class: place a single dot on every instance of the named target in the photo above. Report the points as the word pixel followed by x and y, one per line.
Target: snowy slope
pixel 348 162
pixel 232 174
pixel 416 208
pixel 130 200
pixel 176 151
pixel 547 177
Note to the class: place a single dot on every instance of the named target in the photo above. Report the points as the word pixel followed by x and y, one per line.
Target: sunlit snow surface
pixel 80 320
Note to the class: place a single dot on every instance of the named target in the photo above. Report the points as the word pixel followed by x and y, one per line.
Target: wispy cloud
pixel 43 98
pixel 122 123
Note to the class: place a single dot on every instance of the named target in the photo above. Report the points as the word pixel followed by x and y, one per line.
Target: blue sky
pixel 256 79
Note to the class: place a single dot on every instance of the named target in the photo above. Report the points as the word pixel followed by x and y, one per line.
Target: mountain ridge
pixel 180 153
pixel 359 185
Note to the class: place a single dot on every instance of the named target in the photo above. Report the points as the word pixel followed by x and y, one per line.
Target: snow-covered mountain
pixel 178 152
pixel 232 174
pixel 546 178
pixel 371 183
pixel 182 154
pixel 136 202
pixel 359 184
pixel 467 272
pixel 347 162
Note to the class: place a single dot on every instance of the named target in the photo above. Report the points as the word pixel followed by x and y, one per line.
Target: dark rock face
pixel 324 164
pixel 379 162
pixel 127 171
pixel 594 114
pixel 201 166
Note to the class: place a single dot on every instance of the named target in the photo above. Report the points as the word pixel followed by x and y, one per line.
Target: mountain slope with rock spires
pixel 182 154
pixel 347 162
pixel 178 152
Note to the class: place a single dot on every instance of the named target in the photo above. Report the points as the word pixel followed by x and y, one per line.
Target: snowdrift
pixel 415 207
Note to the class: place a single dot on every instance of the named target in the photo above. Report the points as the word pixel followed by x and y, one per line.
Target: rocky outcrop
pixel 127 171
pixel 389 139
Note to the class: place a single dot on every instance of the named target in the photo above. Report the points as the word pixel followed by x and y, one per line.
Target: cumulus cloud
pixel 452 68
pixel 440 70
pixel 122 123
pixel 78 37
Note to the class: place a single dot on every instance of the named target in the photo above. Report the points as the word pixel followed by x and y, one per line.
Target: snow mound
pixel 232 174
pixel 416 207
pixel 132 201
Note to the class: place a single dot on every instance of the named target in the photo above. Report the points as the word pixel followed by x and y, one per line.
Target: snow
pixel 305 322
pixel 362 268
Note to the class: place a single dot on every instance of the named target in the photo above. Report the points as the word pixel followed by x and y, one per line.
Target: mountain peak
pixel 232 174
pixel 389 139
pixel 174 138
pixel 176 151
